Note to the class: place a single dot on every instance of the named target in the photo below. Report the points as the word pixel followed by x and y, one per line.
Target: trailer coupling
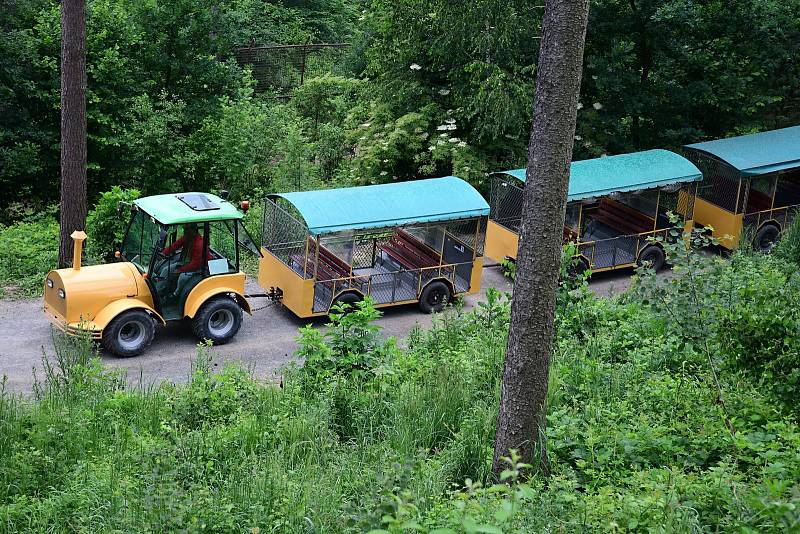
pixel 274 294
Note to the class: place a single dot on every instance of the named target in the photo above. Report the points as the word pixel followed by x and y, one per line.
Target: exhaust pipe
pixel 78 237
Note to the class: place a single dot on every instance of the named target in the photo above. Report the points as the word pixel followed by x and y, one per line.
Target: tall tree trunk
pixel 73 124
pixel 521 423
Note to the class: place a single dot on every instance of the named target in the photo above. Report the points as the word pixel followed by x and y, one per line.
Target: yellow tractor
pixel 179 260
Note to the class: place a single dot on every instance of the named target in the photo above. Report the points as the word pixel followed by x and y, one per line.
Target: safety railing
pixel 620 250
pixel 783 216
pixel 394 286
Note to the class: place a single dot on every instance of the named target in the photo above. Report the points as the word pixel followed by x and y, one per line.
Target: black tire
pixel 349 299
pixel 129 333
pixel 435 297
pixel 654 255
pixel 218 320
pixel 766 238
pixel 577 267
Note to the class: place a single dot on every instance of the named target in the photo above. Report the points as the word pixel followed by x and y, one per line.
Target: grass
pixel 401 439
pixel 30 250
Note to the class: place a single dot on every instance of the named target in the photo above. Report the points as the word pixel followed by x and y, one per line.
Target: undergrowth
pixel 671 409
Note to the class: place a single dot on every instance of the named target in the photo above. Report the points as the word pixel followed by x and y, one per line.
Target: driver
pixel 192 256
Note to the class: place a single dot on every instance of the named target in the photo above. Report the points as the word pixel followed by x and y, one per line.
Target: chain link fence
pixel 282 68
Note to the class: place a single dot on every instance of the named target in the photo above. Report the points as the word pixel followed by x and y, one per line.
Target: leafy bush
pixel 645 431
pixel 30 250
pixel 105 226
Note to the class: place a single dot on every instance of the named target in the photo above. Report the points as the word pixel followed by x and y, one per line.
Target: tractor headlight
pixel 61 293
pixel 50 283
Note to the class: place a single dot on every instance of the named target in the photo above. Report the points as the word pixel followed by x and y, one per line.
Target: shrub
pixel 105 226
pixel 30 250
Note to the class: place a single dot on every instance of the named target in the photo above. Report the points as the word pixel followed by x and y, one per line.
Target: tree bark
pixel 73 124
pixel 521 422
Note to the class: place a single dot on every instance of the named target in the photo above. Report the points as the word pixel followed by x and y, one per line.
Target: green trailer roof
pixel 625 172
pixel 757 154
pixel 380 206
pixel 188 208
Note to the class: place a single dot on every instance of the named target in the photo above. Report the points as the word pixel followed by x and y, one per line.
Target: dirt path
pixel 265 342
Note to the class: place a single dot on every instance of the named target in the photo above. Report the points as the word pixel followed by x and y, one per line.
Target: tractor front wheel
pixel 218 320
pixel 129 334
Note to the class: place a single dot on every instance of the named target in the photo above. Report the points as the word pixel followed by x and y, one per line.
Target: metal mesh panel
pixel 366 249
pixel 774 199
pixel 613 252
pixel 506 203
pixel 285 237
pixel 467 232
pixel 340 245
pixel 720 184
pixel 787 191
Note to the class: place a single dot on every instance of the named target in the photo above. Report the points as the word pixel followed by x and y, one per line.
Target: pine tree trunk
pixel 73 124
pixel 521 422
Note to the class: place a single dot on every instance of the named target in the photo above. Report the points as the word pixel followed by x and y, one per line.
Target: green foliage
pixel 30 250
pixel 350 346
pixel 106 226
pixel 426 89
pixel 369 436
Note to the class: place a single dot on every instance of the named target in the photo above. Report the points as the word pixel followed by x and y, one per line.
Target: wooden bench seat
pixel 329 267
pixel 409 251
pixel 758 201
pixel 622 218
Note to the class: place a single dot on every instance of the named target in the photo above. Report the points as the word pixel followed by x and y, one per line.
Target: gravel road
pixel 265 342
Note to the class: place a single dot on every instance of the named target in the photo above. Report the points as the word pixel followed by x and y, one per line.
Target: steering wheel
pixel 161 259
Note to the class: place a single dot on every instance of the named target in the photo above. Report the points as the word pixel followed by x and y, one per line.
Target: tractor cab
pixel 200 242
pixel 179 259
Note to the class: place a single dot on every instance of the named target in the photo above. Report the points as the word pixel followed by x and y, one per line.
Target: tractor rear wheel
pixel 129 334
pixel 218 320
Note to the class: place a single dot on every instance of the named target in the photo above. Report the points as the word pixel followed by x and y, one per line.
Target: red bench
pixel 329 267
pixel 622 218
pixel 409 251
pixel 758 201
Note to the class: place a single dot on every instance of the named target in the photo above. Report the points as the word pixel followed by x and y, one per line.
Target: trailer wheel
pixel 129 334
pixel 349 300
pixel 654 256
pixel 435 297
pixel 577 266
pixel 218 320
pixel 765 238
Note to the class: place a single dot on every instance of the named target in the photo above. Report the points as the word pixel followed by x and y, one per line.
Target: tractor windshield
pixel 140 240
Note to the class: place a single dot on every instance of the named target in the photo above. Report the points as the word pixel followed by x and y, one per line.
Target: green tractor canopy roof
pixel 188 208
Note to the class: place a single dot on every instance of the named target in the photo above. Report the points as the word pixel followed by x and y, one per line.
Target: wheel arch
pixel 648 246
pixel 196 299
pixel 113 310
pixel 447 282
pixel 770 222
pixel 347 291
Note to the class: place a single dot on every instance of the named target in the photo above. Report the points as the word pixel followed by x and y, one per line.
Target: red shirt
pixel 195 253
